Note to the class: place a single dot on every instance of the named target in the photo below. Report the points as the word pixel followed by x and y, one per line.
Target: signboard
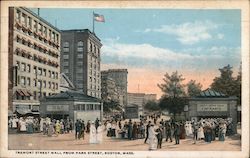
pixel 211 107
pixel 57 107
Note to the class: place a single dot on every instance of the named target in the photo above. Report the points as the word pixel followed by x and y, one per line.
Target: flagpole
pixel 93 23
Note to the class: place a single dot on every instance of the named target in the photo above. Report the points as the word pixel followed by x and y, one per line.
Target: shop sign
pixel 211 107
pixel 57 107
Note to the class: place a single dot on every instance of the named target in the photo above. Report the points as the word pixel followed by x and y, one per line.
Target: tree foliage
pixel 111 105
pixel 193 88
pixel 173 99
pixel 228 84
pixel 173 105
pixel 172 86
pixel 152 106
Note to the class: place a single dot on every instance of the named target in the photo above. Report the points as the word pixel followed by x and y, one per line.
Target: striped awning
pixel 19 92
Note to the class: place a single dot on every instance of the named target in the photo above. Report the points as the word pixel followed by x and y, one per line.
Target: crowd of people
pixel 152 129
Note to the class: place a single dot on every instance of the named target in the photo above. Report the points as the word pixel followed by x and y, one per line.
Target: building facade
pixel 73 105
pixel 80 60
pixel 140 99
pixel 120 76
pixel 65 83
pixel 212 104
pixel 34 63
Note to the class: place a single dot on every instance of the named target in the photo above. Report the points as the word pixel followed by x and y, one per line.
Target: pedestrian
pixel 200 134
pixel 88 127
pixel 96 123
pixel 130 128
pixel 159 137
pixel 177 132
pixel 147 130
pixel 152 138
pixel 134 132
pixel 168 131
pixel 57 127
pixel 92 135
pixel 82 129
pixel 99 134
pixel 77 129
pixel 195 131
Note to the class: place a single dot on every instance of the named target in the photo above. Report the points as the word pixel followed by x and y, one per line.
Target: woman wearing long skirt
pixel 50 129
pixel 58 127
pixel 92 135
pixel 200 134
pixel 99 134
pixel 152 138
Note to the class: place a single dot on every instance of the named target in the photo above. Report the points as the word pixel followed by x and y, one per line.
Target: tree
pixel 151 105
pixel 173 104
pixel 225 82
pixel 172 86
pixel 193 88
pixel 228 84
pixel 111 105
pixel 173 98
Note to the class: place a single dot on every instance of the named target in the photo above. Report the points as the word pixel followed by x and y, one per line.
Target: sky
pixel 152 42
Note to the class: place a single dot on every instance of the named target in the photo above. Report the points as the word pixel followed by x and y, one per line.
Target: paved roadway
pixel 67 141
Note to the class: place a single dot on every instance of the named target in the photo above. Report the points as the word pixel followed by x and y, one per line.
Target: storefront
pixel 212 104
pixel 73 105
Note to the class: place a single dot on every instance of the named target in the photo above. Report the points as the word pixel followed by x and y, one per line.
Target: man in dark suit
pixel 177 132
pixel 147 128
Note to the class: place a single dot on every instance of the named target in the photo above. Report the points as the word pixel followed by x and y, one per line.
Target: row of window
pixel 86 107
pixel 93 94
pixel 92 48
pixel 26 81
pixel 36 47
pixel 38 27
pixel 36 70
pixel 36 96
pixel 35 58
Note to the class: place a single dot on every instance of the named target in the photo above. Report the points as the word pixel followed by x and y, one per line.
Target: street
pixel 38 141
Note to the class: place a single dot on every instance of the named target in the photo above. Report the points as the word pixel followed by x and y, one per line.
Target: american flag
pixel 99 18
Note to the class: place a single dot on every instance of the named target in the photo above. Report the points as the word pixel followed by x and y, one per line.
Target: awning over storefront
pixel 23 93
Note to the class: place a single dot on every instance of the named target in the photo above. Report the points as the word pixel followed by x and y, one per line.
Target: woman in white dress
pixel 152 138
pixel 23 125
pixel 41 124
pixel 92 135
pixel 99 134
pixel 14 122
pixel 200 134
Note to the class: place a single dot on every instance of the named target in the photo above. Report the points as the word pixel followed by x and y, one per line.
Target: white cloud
pixel 146 54
pixel 112 47
pixel 188 33
pixel 220 36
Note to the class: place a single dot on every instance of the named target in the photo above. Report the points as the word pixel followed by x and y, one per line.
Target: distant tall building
pixel 140 99
pixel 80 60
pixel 109 89
pixel 34 63
pixel 120 76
